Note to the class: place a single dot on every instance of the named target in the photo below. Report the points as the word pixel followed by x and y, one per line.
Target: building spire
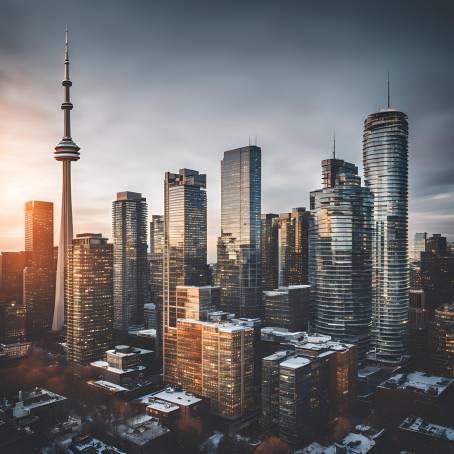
pixel 389 104
pixel 66 149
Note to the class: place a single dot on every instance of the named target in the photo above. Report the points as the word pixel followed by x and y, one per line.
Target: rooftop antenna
pixel 334 145
pixel 249 140
pixel 388 92
pixel 255 140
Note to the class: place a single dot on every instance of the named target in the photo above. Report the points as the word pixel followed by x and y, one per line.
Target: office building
pixel 216 361
pixel 305 385
pixel 185 250
pixel 441 340
pixel 293 247
pixel 385 160
pixel 239 244
pixel 89 294
pixel 332 167
pixel 66 151
pixel 39 275
pixel 288 307
pixel 419 245
pixel 437 273
pixel 12 274
pixel 131 272
pixel 341 259
pixel 269 250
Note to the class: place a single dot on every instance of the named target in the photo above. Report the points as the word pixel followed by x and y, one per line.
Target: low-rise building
pixel 415 393
pixel 84 444
pixel 419 435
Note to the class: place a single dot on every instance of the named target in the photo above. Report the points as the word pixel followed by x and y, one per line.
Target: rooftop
pixel 317 448
pixel 108 386
pixel 177 397
pixel 419 381
pixel 416 424
pixel 295 362
pixel 278 355
pixel 85 443
pixel 162 405
pixel 361 440
pixel 141 430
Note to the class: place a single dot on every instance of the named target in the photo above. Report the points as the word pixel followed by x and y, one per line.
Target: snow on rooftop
pixel 419 380
pixel 417 424
pixel 177 397
pixel 295 362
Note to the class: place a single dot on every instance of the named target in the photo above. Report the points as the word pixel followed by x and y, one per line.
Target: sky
pixel 158 86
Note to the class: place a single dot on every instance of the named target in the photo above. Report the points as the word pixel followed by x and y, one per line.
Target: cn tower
pixel 66 151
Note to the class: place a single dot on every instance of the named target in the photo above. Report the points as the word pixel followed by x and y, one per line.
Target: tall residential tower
pixel 385 159
pixel 66 151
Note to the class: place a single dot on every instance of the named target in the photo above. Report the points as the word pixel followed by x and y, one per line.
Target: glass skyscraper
pixel 239 243
pixel 39 275
pixel 269 251
pixel 131 271
pixel 385 159
pixel 341 259
pixel 185 250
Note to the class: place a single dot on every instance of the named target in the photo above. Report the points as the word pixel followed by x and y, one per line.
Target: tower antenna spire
pixel 389 104
pixel 334 145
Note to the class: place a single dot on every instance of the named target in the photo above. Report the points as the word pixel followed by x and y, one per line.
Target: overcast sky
pixel 158 86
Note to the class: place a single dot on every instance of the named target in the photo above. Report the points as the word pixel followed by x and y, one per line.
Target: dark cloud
pixel 163 85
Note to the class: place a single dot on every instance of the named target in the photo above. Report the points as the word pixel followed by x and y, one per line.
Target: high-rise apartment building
pixel 216 361
pixel 185 250
pixel 131 270
pixel 12 322
pixel 39 275
pixel 341 259
pixel 89 294
pixel 385 160
pixel 269 251
pixel 288 307
pixel 239 244
pixel 293 247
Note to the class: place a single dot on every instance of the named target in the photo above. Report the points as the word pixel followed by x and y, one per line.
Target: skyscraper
pixel 269 251
pixel 239 244
pixel 341 259
pixel 156 259
pixel 131 270
pixel 39 275
pixel 66 151
pixel 13 264
pixel 293 247
pixel 419 245
pixel 185 249
pixel 89 298
pixel 385 159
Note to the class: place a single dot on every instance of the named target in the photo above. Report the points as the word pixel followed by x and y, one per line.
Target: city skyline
pixel 318 90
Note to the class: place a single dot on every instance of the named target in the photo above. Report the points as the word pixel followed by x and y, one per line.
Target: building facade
pixel 39 275
pixel 293 247
pixel 385 160
pixel 89 293
pixel 185 250
pixel 341 259
pixel 269 250
pixel 288 307
pixel 239 244
pixel 216 361
pixel 441 340
pixel 130 271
